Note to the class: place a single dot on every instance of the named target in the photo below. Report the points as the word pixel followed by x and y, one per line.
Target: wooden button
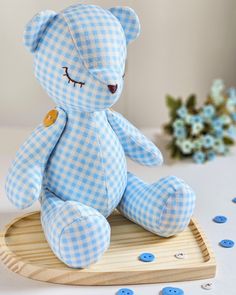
pixel 50 118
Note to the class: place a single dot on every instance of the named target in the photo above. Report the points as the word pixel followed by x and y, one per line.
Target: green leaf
pixel 170 102
pixel 191 101
pixel 178 103
pixel 173 105
pixel 176 153
pixel 228 141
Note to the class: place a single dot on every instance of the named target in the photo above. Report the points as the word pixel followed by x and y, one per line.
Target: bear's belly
pixel 88 164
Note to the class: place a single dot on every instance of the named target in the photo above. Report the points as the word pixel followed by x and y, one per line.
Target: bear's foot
pixel 77 234
pixel 164 207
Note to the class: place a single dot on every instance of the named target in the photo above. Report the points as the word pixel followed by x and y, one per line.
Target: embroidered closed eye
pixel 66 74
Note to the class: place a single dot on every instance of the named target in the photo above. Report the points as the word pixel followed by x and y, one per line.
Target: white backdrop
pixel 184 44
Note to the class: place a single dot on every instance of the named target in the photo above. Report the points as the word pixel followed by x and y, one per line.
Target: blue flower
pixel 216 91
pixel 211 155
pixel 180 132
pixel 218 84
pixel 225 119
pixel 233 116
pixel 197 144
pixel 216 123
pixel 207 141
pixel 232 93
pixel 230 105
pixel 218 132
pixel 199 157
pixel 178 123
pixel 188 119
pixel 182 112
pixel 208 111
pixel 196 119
pixel 186 147
pixel 219 146
pixel 196 128
pixel 231 132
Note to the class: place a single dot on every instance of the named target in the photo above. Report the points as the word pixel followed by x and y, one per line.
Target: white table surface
pixel 215 186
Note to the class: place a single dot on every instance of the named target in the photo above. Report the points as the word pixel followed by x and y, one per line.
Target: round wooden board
pixel 24 250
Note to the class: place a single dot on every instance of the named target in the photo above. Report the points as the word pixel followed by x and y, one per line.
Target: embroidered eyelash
pixel 70 79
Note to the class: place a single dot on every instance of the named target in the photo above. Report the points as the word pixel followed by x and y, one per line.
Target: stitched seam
pixel 162 212
pixel 112 130
pixel 77 49
pixel 42 167
pixel 44 31
pixel 103 167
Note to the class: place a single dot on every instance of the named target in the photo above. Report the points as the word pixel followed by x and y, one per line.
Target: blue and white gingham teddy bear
pixel 75 162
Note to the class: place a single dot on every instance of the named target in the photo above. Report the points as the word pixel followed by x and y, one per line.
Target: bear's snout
pixel 112 88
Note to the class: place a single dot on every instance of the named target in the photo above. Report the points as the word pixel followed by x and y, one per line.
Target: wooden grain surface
pixel 24 250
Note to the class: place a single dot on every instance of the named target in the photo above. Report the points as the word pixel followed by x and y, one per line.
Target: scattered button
pixel 220 219
pixel 146 257
pixel 227 243
pixel 125 291
pixel 172 291
pixel 50 118
pixel 180 255
pixel 207 286
pixel 234 200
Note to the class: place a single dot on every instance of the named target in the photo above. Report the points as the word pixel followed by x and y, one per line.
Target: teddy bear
pixel 74 162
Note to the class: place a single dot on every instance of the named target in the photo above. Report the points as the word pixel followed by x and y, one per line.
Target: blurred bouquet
pixel 202 132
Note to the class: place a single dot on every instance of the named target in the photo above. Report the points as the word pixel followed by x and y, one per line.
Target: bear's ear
pixel 129 21
pixel 36 27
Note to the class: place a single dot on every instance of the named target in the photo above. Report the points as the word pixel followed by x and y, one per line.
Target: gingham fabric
pixel 164 207
pixel 78 164
pixel 88 165
pixel 104 54
pixel 135 144
pixel 24 180
pixel 77 234
pixel 86 44
pixel 36 28
pixel 129 21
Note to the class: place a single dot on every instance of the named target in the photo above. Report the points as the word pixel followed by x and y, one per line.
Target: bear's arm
pixel 24 180
pixel 135 144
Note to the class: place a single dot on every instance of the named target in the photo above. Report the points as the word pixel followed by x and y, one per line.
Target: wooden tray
pixel 24 250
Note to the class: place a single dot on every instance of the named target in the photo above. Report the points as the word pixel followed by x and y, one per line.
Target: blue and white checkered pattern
pixel 164 207
pixel 89 41
pixel 77 165
pixel 99 39
pixel 88 165
pixel 77 234
pixel 129 21
pixel 25 177
pixel 36 28
pixel 135 144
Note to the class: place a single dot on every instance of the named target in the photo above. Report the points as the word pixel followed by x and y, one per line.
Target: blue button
pixel 146 257
pixel 172 291
pixel 220 219
pixel 234 200
pixel 227 243
pixel 125 291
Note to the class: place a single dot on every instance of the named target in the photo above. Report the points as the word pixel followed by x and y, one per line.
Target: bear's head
pixel 80 53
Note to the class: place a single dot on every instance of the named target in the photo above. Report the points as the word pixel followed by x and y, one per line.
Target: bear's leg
pixel 164 207
pixel 77 234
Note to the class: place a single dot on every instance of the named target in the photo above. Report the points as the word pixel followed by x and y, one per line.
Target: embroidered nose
pixel 112 88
